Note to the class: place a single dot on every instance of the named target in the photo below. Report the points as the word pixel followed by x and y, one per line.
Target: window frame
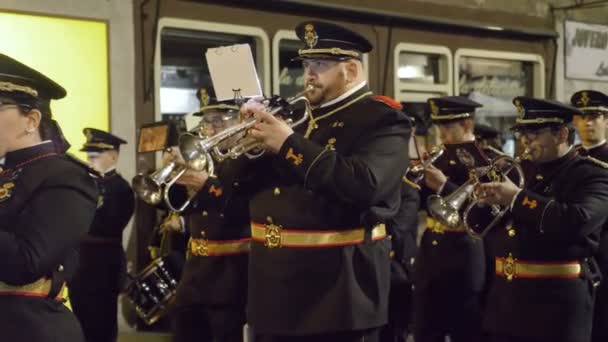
pixel 401 90
pixel 209 26
pixel 538 77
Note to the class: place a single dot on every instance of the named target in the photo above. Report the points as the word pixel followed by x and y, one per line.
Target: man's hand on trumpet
pixel 193 180
pixel 500 193
pixel 269 130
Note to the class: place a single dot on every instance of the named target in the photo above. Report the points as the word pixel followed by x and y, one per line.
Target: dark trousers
pixel 399 314
pixel 600 314
pixel 200 323
pixel 437 315
pixel 97 313
pixel 369 335
pixel 504 338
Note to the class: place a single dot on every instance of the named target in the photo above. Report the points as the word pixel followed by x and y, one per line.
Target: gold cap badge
pixel 310 36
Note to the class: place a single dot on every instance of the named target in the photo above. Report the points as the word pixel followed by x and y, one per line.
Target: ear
pixel 562 136
pixel 33 120
pixel 468 125
pixel 352 70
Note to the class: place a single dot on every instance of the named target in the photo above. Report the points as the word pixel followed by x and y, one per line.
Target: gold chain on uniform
pixel 312 122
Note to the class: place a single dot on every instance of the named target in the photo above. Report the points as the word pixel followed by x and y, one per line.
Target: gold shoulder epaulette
pixel 83 165
pixel 410 183
pixel 495 150
pixel 597 162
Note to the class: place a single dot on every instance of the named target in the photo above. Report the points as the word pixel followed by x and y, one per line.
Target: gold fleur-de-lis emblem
pixel 520 109
pixel 434 108
pixel 585 98
pixel 204 95
pixel 310 36
pixel 6 191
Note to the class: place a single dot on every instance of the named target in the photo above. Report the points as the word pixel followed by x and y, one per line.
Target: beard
pixel 316 96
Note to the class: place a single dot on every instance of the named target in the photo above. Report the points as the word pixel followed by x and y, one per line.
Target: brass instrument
pixel 154 188
pixel 200 152
pixel 447 210
pixel 415 173
pixel 494 211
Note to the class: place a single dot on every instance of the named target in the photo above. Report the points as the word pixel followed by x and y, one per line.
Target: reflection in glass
pixel 184 68
pixel 494 83
pixel 419 68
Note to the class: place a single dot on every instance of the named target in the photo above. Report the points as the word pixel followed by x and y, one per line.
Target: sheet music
pixel 232 67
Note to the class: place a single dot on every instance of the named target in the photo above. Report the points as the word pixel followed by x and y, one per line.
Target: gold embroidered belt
pixel 39 288
pixel 510 268
pixel 204 247
pixel 436 227
pixel 273 236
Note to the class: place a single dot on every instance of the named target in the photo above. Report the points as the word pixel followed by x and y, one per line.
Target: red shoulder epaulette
pixel 388 101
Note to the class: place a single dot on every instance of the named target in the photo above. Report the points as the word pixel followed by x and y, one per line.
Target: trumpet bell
pixel 188 146
pixel 443 212
pixel 147 189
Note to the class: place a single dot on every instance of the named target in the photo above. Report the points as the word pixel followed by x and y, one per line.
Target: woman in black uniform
pixel 47 202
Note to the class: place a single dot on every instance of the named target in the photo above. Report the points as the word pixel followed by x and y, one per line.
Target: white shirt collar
pixel 594 145
pixel 345 95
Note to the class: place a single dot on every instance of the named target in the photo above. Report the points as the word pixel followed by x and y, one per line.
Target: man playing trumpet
pixel 545 275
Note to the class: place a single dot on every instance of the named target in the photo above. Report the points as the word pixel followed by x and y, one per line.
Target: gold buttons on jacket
pixel 391 255
pixel 434 243
pixel 277 191
pixel 512 232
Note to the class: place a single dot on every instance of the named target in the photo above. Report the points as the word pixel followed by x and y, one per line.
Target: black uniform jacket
pixel 403 229
pixel 346 174
pixel 102 258
pixel 452 262
pixel 557 218
pixel 220 214
pixel 47 204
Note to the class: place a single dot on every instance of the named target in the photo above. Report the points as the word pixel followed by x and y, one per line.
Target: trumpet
pixel 154 188
pixel 151 188
pixel 446 210
pixel 415 173
pixel 477 229
pixel 200 152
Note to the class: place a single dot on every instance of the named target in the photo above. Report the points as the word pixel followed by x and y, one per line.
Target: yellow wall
pixel 72 52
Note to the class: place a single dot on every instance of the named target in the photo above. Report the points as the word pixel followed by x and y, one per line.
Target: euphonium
pixel 199 152
pixel 415 173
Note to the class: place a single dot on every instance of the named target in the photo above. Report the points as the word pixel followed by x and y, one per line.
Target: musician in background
pixel 450 265
pixel 545 276
pixel 319 266
pixel 101 273
pixel 211 296
pixel 591 127
pixel 489 137
pixel 403 229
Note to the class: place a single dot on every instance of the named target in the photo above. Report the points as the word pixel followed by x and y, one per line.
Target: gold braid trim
pixel 8 86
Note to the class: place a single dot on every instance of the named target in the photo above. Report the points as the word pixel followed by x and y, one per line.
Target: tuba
pixel 415 173
pixel 200 152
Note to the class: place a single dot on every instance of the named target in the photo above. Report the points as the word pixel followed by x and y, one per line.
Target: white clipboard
pixel 233 68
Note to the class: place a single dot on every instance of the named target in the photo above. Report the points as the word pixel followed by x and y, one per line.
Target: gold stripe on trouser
pixel 39 288
pixel 512 268
pixel 204 247
pixel 276 236
pixel 436 227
